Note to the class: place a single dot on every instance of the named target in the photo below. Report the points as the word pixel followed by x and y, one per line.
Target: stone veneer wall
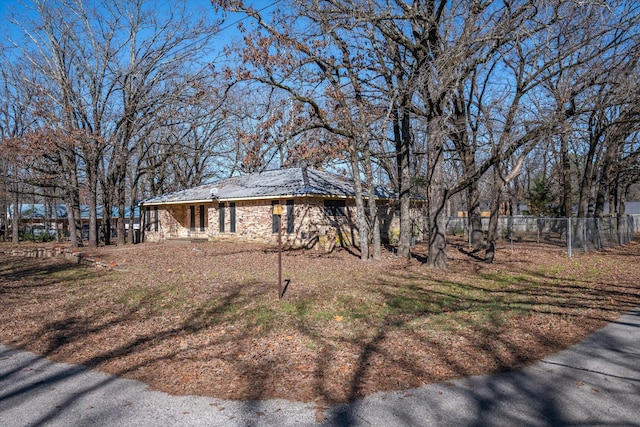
pixel 254 223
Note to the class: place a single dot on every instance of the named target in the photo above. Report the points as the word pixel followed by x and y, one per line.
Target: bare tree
pixel 111 74
pixel 447 42
pixel 161 67
pixel 592 52
pixel 16 121
pixel 314 60
pixel 190 148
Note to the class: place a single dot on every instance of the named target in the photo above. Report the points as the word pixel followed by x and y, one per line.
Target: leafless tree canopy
pixel 474 105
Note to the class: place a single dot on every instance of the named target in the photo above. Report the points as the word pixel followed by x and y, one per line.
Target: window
pixel 275 219
pixel 232 217
pixel 202 218
pixel 192 218
pixel 290 217
pixel 334 208
pixel 147 219
pixel 155 218
pixel 221 217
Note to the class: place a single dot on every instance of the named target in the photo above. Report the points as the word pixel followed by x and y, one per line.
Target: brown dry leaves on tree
pixel 205 319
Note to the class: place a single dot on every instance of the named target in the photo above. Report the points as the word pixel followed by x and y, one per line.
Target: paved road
pixel 596 382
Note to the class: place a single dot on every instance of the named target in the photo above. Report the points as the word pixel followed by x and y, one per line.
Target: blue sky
pixel 7 6
pixel 4 6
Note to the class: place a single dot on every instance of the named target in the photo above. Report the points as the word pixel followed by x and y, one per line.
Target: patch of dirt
pixel 206 318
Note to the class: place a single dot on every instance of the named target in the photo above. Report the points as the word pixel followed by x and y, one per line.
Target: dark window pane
pixel 275 219
pixel 290 217
pixel 232 217
pixel 221 217
pixel 334 208
pixel 155 218
pixel 147 219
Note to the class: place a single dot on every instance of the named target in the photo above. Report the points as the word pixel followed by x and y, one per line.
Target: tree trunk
pixel 3 218
pixel 372 204
pixel 567 198
pixel 466 148
pixel 15 219
pixel 107 208
pixel 91 167
pixel 46 216
pixel 437 199
pixel 56 219
pixel 135 236
pixel 121 217
pixel 403 141
pixel 475 218
pixel 602 187
pixel 601 194
pixel 106 223
pixel 93 219
pixel 77 223
pixel 71 218
pixel 494 218
pixel 587 177
pixel 360 214
pixel 437 226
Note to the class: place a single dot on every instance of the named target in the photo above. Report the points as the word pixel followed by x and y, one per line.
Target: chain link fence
pixel 576 234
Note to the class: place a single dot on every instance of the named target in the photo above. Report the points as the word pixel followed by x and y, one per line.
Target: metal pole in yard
pixel 280 256
pixel 569 236
pixel 277 211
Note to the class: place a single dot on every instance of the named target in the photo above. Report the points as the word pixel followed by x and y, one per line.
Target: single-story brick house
pixel 318 209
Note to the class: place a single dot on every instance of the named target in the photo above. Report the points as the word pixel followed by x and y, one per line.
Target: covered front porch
pixel 178 221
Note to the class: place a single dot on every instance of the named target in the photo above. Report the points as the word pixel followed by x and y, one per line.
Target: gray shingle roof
pixel 289 182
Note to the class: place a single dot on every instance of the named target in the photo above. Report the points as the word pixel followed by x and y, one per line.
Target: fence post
pixel 611 235
pixel 510 228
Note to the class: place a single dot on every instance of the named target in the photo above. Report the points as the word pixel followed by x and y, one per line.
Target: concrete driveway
pixel 596 382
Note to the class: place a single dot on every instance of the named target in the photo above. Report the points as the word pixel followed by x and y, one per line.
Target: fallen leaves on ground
pixel 209 321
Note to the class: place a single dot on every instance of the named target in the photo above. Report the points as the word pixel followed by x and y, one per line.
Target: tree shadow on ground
pixel 396 340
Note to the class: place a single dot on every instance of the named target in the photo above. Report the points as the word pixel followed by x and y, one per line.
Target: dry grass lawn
pixel 206 319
